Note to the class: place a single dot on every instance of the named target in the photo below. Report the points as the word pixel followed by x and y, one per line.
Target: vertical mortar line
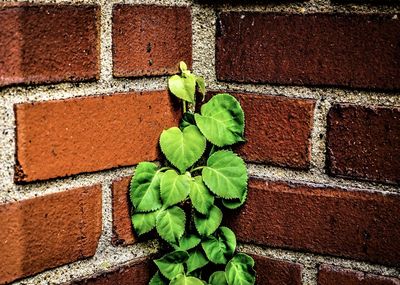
pixel 106 60
pixel 106 234
pixel 309 275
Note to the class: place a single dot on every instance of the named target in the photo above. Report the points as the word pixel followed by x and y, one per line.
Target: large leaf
pixel 235 203
pixel 158 279
pixel 217 278
pixel 239 270
pixel 186 280
pixel 188 242
pixel 196 260
pixel 221 120
pixel 225 175
pixel 183 87
pixel 220 248
pixel 200 196
pixel 171 264
pixel 144 222
pixel 183 148
pixel 208 224
pixel 170 224
pixel 174 188
pixel 145 188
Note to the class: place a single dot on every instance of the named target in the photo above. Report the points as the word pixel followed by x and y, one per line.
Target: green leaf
pixel 145 188
pixel 196 260
pixel 225 175
pixel 221 120
pixel 188 242
pixel 220 248
pixel 183 87
pixel 144 222
pixel 201 197
pixel 207 224
pixel 182 66
pixel 158 279
pixel 235 203
pixel 170 224
pixel 171 264
pixel 174 188
pixel 239 270
pixel 201 86
pixel 217 278
pixel 183 148
pixel 186 280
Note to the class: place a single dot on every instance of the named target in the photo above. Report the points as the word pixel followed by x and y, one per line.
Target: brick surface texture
pixel 48 231
pixel 48 43
pixel 351 224
pixel 330 275
pixel 150 40
pixel 357 51
pixel 364 143
pixel 65 137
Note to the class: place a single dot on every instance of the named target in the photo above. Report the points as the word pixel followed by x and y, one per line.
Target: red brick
pixel 137 273
pixel 121 207
pixel 48 43
pixel 346 223
pixel 348 50
pixel 48 231
pixel 278 130
pixel 364 143
pixel 65 137
pixel 277 272
pixel 330 275
pixel 150 40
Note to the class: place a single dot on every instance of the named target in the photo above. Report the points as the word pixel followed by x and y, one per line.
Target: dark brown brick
pixel 150 40
pixel 278 130
pixel 277 272
pixel 346 223
pixel 137 273
pixel 65 137
pixel 121 207
pixel 330 275
pixel 364 143
pixel 48 43
pixel 348 50
pixel 48 231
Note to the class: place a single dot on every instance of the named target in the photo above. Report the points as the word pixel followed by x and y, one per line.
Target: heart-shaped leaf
pixel 171 264
pixel 220 248
pixel 225 175
pixel 208 224
pixel 188 242
pixel 158 279
pixel 144 222
pixel 217 278
pixel 239 270
pixel 196 260
pixel 183 148
pixel 145 188
pixel 201 197
pixel 221 120
pixel 186 280
pixel 170 224
pixel 183 87
pixel 174 188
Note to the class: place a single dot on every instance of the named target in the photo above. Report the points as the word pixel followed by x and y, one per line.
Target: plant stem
pixel 164 168
pixel 197 168
pixel 184 106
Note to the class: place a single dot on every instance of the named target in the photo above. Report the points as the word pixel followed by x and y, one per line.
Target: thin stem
pixel 197 168
pixel 164 168
pixel 184 106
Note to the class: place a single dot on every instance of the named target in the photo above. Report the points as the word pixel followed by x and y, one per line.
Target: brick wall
pixel 83 99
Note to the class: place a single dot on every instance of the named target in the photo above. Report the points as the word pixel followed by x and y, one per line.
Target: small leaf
pixel 206 225
pixel 239 270
pixel 200 196
pixel 188 242
pixel 145 188
pixel 174 188
pixel 186 280
pixel 158 279
pixel 196 260
pixel 235 203
pixel 225 175
pixel 201 86
pixel 144 222
pixel 217 278
pixel 183 87
pixel 221 120
pixel 182 66
pixel 219 248
pixel 171 264
pixel 182 148
pixel 170 224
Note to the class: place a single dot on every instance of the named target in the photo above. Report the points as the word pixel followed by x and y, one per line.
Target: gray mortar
pixel 203 23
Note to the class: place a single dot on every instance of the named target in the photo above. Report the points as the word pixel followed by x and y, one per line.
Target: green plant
pixel 182 200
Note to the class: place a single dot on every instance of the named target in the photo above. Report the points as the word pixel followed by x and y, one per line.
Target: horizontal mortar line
pixel 275 173
pixel 313 260
pixel 53 1
pixel 99 2
pixel 157 2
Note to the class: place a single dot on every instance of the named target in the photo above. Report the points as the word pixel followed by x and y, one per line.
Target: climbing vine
pixel 182 200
